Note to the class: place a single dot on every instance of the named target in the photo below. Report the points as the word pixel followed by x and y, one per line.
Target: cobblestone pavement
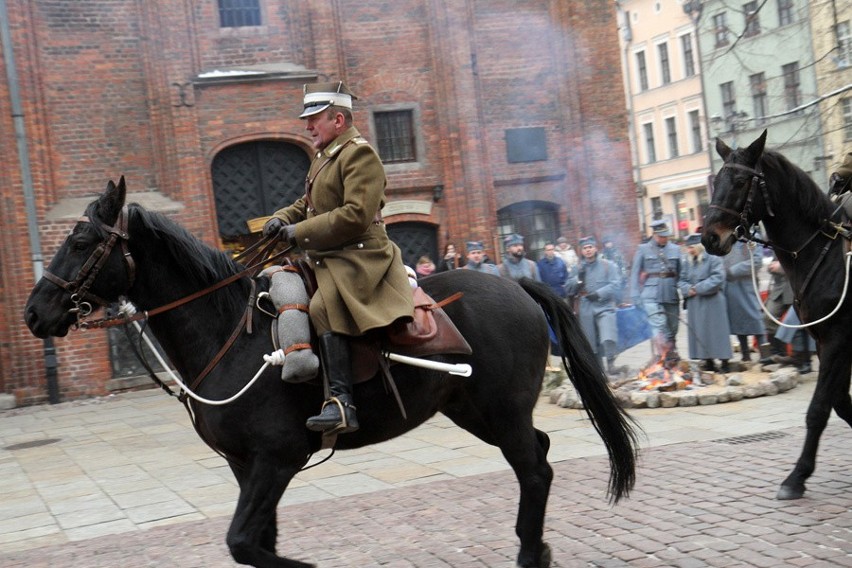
pixel 695 504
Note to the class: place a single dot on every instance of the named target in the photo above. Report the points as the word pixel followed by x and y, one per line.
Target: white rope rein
pixel 848 256
pixel 274 358
pixel 277 358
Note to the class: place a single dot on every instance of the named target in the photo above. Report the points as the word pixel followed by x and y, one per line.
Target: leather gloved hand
pixel 592 296
pixel 289 232
pixel 272 227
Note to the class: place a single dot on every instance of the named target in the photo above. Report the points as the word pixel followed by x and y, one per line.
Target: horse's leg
pixel 832 390
pixel 253 531
pixel 269 537
pixel 525 448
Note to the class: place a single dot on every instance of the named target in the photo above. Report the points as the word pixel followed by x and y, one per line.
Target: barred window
pixel 846 105
pixel 395 136
pixel 239 13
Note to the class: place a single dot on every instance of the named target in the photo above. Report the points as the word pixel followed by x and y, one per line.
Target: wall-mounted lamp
pixel 437 193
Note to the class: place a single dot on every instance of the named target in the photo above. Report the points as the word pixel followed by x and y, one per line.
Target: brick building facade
pixel 514 110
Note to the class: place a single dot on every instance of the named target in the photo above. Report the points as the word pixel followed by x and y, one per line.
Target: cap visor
pixel 312 110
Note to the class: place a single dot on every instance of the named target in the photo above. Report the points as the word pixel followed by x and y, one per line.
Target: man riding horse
pixel 361 279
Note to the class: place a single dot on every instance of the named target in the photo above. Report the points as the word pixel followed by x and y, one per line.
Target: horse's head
pixel 732 209
pixel 92 268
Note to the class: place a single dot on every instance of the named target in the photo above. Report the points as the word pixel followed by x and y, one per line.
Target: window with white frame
pixel 729 99
pixel 650 151
pixel 720 29
pixel 641 71
pixel 665 68
pixel 846 105
pixel 695 131
pixel 671 136
pixel 844 44
pixel 757 82
pixel 785 12
pixel 688 55
pixel 752 19
pixel 792 87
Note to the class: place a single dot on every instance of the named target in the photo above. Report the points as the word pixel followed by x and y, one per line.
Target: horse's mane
pixel 201 264
pixel 810 200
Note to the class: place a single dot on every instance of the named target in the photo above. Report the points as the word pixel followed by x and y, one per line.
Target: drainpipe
pixel 640 192
pixel 50 360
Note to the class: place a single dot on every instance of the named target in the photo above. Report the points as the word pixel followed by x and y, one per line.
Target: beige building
pixel 831 30
pixel 665 104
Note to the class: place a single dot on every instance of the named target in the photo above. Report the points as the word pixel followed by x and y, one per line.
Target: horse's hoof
pixel 544 559
pixel 787 493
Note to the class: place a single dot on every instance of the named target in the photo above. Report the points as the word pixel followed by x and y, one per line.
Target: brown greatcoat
pixel 361 280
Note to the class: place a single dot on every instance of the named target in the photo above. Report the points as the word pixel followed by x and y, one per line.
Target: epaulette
pixel 360 140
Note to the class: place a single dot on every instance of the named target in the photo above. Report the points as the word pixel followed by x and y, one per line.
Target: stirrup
pixel 343 427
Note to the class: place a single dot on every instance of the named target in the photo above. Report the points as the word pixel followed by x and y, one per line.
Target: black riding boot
pixel 338 412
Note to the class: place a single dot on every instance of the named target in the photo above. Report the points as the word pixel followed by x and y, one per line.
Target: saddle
pixel 431 332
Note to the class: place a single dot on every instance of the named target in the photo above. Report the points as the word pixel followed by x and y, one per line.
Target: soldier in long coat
pixel 597 283
pixel 702 282
pixel 744 311
pixel 653 287
pixel 361 279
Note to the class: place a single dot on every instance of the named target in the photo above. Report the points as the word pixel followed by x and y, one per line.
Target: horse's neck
pixel 191 332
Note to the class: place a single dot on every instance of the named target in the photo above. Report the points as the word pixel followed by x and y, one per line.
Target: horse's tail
pixel 615 427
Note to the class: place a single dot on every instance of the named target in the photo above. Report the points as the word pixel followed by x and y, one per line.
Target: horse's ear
pixel 111 202
pixel 722 149
pixel 755 149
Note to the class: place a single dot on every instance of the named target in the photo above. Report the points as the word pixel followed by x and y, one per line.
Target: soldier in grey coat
pixel 653 287
pixel 597 284
pixel 744 312
pixel 702 280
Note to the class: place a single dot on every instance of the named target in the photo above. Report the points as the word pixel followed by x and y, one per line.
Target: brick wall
pixel 107 90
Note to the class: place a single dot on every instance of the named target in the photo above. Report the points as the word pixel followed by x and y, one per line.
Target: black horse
pixel 262 434
pixel 803 227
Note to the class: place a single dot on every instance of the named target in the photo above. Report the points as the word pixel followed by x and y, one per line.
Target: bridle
pixel 757 179
pixel 79 287
pixel 742 232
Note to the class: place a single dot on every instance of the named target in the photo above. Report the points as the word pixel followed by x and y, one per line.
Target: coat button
pixel 360 245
